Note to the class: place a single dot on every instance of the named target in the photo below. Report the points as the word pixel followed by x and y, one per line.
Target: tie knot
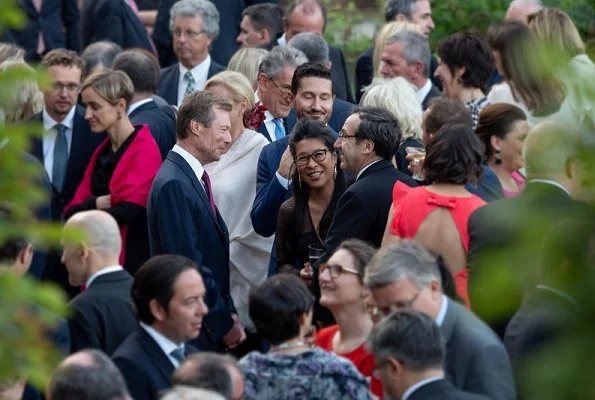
pixel 59 128
pixel 189 77
pixel 178 354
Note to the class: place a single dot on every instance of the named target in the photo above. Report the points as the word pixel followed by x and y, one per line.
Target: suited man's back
pixel 443 390
pixel 162 124
pixel 104 315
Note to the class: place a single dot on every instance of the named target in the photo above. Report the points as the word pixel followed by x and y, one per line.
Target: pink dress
pixel 520 181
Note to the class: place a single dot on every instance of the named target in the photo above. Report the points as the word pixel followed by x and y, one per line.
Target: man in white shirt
pixel 103 313
pixel 407 54
pixel 194 25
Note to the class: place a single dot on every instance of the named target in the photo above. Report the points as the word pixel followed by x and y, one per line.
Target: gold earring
pixel 335 173
pixel 300 180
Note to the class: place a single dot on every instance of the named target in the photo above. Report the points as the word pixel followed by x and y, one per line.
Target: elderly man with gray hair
pixel 405 275
pixel 407 54
pixel 194 25
pixel 274 89
pixel 103 313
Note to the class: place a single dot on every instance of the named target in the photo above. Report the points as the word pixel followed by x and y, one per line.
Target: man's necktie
pixel 188 77
pixel 207 181
pixel 279 128
pixel 178 354
pixel 40 42
pixel 60 158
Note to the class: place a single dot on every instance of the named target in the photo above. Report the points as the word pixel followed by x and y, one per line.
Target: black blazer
pixel 343 89
pixel 162 124
pixel 476 360
pixel 169 81
pixel 58 21
pixel 113 20
pixel 181 222
pixel 146 368
pixel 443 390
pixel 434 92
pixel 103 314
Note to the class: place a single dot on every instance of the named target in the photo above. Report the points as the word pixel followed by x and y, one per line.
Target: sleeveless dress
pixel 413 205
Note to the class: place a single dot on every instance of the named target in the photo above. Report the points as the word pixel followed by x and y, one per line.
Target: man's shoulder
pixel 470 332
pixel 168 70
pixel 130 349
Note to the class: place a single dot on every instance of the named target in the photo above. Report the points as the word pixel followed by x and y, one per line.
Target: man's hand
pixel 285 164
pixel 104 202
pixel 236 334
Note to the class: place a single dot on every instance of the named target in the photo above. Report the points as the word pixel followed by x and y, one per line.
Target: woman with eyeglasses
pixel 343 293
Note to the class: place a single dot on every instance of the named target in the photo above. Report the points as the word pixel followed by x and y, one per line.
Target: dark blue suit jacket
pixel 58 21
pixel 113 20
pixel 339 72
pixel 146 368
pixel 488 188
pixel 169 81
pixel 339 114
pixel 181 222
pixel 162 124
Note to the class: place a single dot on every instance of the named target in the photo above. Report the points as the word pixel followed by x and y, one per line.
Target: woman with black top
pixel 120 173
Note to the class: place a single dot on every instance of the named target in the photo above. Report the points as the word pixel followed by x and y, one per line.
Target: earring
pixel 300 180
pixel 335 173
pixel 498 157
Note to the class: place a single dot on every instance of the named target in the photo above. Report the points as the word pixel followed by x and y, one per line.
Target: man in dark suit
pixel 261 25
pixel 50 24
pixel 169 296
pixel 407 54
pixel 310 16
pixel 143 70
pixel 405 275
pixel 409 350
pixel 103 314
pixel 99 56
pixel 275 75
pixel 113 20
pixel 418 12
pixel 195 24
pixel 514 226
pixel 67 143
pixel 183 218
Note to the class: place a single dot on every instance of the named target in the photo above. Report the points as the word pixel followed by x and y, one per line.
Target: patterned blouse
pixel 314 374
pixel 475 107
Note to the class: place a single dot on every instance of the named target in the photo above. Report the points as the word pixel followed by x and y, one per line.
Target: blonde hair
pixel 237 84
pixel 387 31
pixel 111 86
pixel 246 61
pixel 10 51
pixel 397 96
pixel 23 99
pixel 556 30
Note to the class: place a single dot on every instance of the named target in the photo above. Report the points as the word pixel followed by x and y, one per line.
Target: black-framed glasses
pixel 400 305
pixel 318 156
pixel 189 34
pixel 335 270
pixel 343 135
pixel 284 91
pixel 70 87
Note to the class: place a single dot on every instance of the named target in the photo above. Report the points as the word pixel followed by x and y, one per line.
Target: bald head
pixel 519 10
pixel 100 230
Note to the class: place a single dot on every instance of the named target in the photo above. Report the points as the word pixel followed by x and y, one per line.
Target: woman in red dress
pixel 436 215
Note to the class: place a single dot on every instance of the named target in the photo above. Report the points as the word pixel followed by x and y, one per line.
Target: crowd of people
pixel 236 227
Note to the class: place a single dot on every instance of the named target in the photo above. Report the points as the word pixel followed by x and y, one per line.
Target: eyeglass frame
pixel 189 34
pixel 406 306
pixel 70 87
pixel 324 266
pixel 310 156
pixel 283 92
pixel 343 136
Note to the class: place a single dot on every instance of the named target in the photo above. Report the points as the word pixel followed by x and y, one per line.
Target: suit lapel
pixel 263 130
pixel 78 142
pixel 169 78
pixel 155 353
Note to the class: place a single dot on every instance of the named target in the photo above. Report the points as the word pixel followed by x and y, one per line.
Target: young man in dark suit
pixel 183 218
pixel 169 295
pixel 143 69
pixel 103 314
pixel 405 275
pixel 409 350
pixel 195 25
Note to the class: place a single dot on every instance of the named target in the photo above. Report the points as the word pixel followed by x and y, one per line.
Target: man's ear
pixel 195 127
pixel 266 38
pixel 329 64
pixel 157 310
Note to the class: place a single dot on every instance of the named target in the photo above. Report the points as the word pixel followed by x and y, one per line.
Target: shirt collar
pixel 139 103
pixel 198 69
pixel 106 270
pixel 558 292
pixel 190 159
pixel 164 343
pixel 550 182
pixel 268 117
pixel 365 168
pixel 442 312
pixel 423 91
pixel 49 123
pixel 419 384
pixel 282 41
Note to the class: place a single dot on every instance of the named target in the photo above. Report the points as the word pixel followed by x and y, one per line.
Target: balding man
pixel 88 374
pixel 513 228
pixel 103 313
pixel 520 10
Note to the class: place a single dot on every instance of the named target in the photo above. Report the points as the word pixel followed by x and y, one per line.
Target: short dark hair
pixel 498 120
pixel 99 53
pixel 208 371
pixel 141 67
pixel 380 127
pixel 11 246
pixel 276 305
pixel 155 280
pixel 468 49
pixel 454 155
pixel 296 3
pixel 198 106
pixel 310 70
pixel 63 57
pixel 265 16
pixel 445 110
pixel 411 337
pixel 100 381
pixel 396 7
pixel 362 253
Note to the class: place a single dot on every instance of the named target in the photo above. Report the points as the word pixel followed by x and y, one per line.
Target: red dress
pixel 363 361
pixel 412 206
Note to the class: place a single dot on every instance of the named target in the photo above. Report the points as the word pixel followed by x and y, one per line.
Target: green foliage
pixel 342 19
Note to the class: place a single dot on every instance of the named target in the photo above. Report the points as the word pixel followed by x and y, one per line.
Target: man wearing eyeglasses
pixel 406 276
pixel 194 25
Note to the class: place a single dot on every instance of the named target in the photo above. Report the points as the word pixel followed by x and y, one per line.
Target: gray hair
pixel 99 55
pixel 190 393
pixel 410 337
pixel 396 7
pixel 404 260
pixel 312 45
pixel 100 229
pixel 278 58
pixel 197 8
pixel 415 48
pixel 207 371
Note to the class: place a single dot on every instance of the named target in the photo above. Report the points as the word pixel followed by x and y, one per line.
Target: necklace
pixel 286 346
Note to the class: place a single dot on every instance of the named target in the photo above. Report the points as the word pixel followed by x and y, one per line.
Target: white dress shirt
pixel 139 103
pixel 194 163
pixel 106 270
pixel 442 312
pixel 268 120
pixel 423 92
pixel 166 345
pixel 49 137
pixel 199 72
pixel 365 168
pixel 419 384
